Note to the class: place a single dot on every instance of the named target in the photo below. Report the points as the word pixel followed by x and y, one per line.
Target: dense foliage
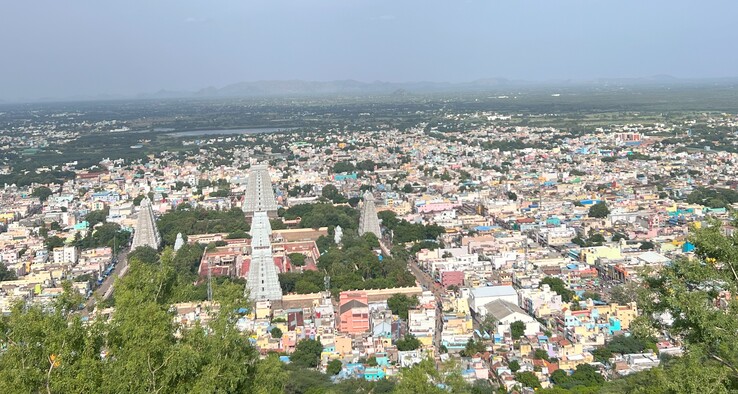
pixel 557 285
pixel 356 266
pixel 188 220
pixel 324 215
pixel 135 351
pixel 713 198
pixel 400 304
pixel 599 210
pixel 405 231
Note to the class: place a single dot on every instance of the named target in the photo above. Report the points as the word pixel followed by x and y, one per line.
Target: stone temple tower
pixel 263 281
pixel 146 233
pixel 259 196
pixel 369 221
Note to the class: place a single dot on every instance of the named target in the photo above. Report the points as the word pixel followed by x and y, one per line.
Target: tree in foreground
pixel 425 378
pixel 136 350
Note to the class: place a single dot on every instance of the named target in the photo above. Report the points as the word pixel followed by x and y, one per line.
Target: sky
pixel 70 48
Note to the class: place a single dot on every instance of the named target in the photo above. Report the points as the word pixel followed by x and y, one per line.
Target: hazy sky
pixel 53 48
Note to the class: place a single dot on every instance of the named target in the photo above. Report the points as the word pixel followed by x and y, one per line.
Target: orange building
pixel 353 311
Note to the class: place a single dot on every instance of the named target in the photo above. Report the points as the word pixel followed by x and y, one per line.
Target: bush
pixel 334 367
pixel 517 329
pixel 409 342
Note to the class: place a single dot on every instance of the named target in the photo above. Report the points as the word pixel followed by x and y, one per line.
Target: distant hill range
pixel 353 87
pixel 316 88
pixel 299 88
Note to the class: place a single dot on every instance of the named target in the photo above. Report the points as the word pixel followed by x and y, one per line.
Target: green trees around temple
pixel 187 220
pixel 324 215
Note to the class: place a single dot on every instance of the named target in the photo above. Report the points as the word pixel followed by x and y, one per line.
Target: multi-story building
pixel 540 302
pixel 353 311
pixel 65 255
pixel 422 323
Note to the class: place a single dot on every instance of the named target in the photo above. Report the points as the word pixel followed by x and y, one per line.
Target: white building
pixel 65 255
pixel 505 313
pixel 422 322
pixel 481 296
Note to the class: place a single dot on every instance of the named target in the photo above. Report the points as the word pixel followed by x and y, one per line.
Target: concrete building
pixel 481 296
pixel 353 311
pixel 65 255
pixel 505 313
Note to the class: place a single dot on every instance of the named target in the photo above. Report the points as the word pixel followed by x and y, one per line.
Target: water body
pixel 200 133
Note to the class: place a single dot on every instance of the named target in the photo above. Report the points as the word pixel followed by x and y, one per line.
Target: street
pixel 106 288
pixel 427 282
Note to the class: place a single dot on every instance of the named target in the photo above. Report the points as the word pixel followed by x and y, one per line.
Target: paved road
pixel 428 282
pixel 106 288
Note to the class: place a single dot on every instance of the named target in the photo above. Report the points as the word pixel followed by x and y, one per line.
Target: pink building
pixel 449 278
pixel 353 312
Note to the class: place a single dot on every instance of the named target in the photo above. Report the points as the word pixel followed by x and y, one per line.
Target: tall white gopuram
pixel 263 281
pixel 259 196
pixel 369 221
pixel 145 232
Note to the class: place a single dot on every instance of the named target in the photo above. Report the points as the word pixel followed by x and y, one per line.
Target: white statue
pixel 338 234
pixel 179 242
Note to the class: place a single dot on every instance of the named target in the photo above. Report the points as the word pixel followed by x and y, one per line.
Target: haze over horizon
pixel 86 48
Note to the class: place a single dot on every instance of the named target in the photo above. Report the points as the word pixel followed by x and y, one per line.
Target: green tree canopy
pixel 528 379
pixel 144 254
pixel 42 193
pixel 331 193
pixel 409 342
pixel 401 303
pixel 334 367
pixel 307 353
pixel 517 329
pixel 557 285
pixel 599 210
pixel 297 259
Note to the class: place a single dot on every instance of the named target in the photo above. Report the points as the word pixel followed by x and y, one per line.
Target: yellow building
pixel 591 254
pixel 343 345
